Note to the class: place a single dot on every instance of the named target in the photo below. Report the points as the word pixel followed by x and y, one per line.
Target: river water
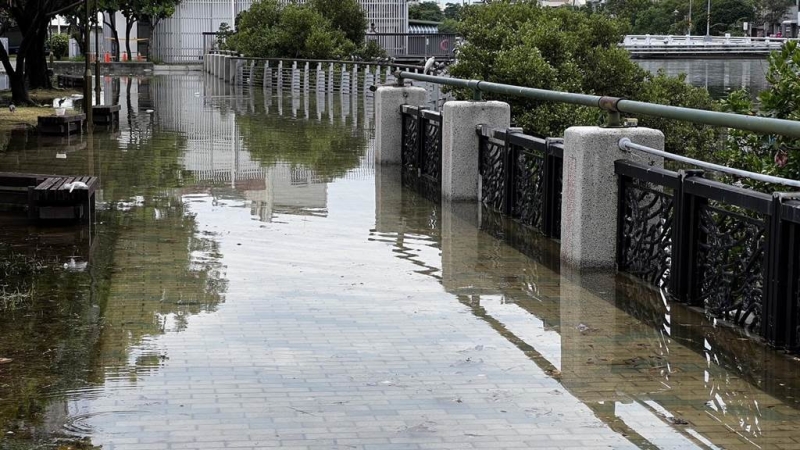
pixel 719 76
pixel 254 281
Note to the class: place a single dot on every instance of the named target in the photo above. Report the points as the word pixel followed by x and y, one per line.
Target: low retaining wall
pixel 114 68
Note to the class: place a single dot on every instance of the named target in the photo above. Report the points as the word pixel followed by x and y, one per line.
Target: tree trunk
pixel 129 21
pixel 112 23
pixel 19 92
pixel 76 32
pixel 36 63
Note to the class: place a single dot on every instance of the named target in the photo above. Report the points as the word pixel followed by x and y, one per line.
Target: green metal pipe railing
pixel 614 106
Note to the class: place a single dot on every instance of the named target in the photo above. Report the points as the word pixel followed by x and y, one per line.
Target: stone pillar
pixel 389 120
pixel 224 67
pixel 460 175
pixel 233 62
pixel 589 193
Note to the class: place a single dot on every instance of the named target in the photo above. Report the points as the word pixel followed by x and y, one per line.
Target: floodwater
pixel 253 281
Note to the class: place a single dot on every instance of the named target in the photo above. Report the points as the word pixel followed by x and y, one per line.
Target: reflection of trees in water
pixel 164 271
pixel 329 150
pixel 149 270
pixel 49 337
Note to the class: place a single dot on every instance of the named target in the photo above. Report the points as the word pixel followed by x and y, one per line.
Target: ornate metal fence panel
pixel 733 251
pixel 790 215
pixel 492 163
pixel 422 149
pixel 731 263
pixel 521 177
pixel 646 221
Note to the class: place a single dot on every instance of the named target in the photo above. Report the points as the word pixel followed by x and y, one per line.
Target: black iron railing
pixel 521 177
pixel 422 146
pixel 733 251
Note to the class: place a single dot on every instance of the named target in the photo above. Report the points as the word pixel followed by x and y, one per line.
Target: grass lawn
pixel 25 115
pixel 41 96
pixel 28 115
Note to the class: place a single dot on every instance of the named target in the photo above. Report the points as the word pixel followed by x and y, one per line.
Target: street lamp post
pixel 690 18
pixel 97 58
pixel 708 19
pixel 87 73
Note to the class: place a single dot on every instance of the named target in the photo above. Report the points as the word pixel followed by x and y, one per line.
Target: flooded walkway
pixel 255 282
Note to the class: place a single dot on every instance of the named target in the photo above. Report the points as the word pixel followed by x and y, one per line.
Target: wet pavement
pixel 254 281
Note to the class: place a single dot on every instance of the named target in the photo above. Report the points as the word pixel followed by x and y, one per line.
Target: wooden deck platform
pixel 61 125
pixel 48 197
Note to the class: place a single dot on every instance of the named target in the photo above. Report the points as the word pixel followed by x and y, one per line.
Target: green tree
pixel 255 30
pixel 453 11
pixel 59 45
pixel 771 154
pixel 628 10
pixel 725 15
pixel 152 11
pixel 664 17
pixel 321 29
pixel 426 11
pixel 567 50
pixel 346 16
pixel 110 8
pixel 771 12
pixel 32 18
pixel 548 48
pixel 448 26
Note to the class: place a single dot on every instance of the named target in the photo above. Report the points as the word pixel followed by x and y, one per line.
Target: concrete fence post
pixel 354 80
pixel 231 72
pixel 460 177
pixel 589 193
pixel 389 120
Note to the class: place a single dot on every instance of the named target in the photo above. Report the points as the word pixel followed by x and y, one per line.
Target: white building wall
pixel 179 39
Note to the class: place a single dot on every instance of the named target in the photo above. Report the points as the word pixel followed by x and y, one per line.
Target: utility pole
pixel 87 73
pixel 708 19
pixel 690 18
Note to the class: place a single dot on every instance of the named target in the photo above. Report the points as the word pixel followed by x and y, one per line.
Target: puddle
pixel 254 280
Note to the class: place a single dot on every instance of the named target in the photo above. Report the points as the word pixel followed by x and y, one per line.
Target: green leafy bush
pixel 568 50
pixel 59 45
pixel 770 154
pixel 320 29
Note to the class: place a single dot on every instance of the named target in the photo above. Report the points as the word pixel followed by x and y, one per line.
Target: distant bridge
pixel 660 46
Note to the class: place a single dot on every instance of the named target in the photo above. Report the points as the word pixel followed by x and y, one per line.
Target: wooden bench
pixel 14 187
pixel 52 199
pixel 106 115
pixel 48 196
pixel 61 125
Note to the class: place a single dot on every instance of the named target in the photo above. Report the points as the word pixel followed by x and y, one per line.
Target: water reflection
pixel 719 76
pixel 651 370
